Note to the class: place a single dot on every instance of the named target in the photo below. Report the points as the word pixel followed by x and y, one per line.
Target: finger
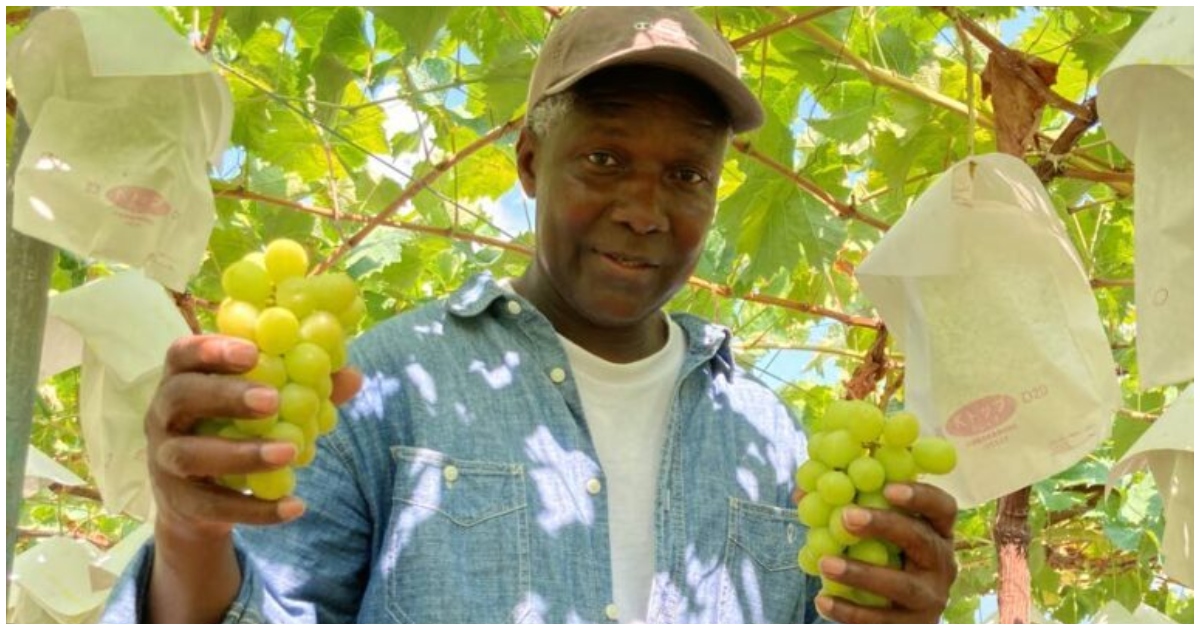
pixel 185 398
pixel 904 590
pixel 346 383
pixel 930 502
pixel 210 353
pixel 208 456
pixel 922 546
pixel 843 611
pixel 203 501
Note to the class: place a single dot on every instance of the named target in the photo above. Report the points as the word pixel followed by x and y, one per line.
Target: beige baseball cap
pixel 593 38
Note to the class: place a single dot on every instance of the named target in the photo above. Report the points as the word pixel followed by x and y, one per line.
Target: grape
pixel 835 488
pixel 839 448
pixel 867 598
pixel 867 474
pixel 854 451
pixel 869 551
pixel 934 455
pixel 246 282
pixel 873 500
pixel 300 325
pixel 285 259
pixel 813 510
pixel 255 426
pixel 814 446
pixel 237 319
pixel 276 330
pixel 337 357
pixel 327 417
pixel 307 455
pixel 286 432
pixel 809 561
pixel 295 295
pixel 324 330
pixel 901 429
pixel 334 292
pixel 835 589
pixel 270 370
pixel 298 404
pixel 351 315
pixel 862 419
pixel 808 473
pixel 323 387
pixel 272 484
pixel 821 543
pixel 898 464
pixel 307 364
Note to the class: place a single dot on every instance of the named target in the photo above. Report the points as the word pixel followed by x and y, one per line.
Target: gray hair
pixel 549 112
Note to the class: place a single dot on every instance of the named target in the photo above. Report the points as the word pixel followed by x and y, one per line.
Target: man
pixel 551 449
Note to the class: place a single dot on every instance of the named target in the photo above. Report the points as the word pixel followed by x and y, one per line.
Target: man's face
pixel 626 187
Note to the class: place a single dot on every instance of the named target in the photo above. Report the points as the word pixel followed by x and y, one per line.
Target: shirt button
pixel 450 473
pixel 514 307
pixel 594 486
pixel 610 611
pixel 558 375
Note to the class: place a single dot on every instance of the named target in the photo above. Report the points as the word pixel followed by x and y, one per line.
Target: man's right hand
pixel 195 574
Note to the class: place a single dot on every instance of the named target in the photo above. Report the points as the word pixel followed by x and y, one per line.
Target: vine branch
pixel 1012 61
pixel 878 75
pixel 782 25
pixel 416 187
pixel 214 22
pixel 1051 165
pixel 842 210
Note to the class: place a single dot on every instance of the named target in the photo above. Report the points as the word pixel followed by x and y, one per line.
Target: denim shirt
pixel 461 486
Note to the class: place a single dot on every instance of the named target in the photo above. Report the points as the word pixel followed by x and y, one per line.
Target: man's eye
pixel 691 176
pixel 600 158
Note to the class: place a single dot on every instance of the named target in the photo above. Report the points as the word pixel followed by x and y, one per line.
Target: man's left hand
pixel 923 528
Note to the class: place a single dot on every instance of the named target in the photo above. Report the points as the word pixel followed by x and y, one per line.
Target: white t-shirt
pixel 627 406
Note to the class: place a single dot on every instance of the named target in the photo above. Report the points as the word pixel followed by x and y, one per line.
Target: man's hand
pixel 918 592
pixel 199 381
pixel 195 574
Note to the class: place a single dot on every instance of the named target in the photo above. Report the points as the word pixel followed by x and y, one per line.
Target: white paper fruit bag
pixel 1168 449
pixel 116 165
pixel 1005 354
pixel 127 323
pixel 1146 102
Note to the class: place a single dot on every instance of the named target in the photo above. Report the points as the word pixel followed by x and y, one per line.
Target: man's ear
pixel 527 148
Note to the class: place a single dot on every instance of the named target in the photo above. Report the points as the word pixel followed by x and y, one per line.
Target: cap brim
pixel 745 112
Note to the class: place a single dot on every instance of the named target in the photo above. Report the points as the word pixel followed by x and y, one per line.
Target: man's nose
pixel 639 204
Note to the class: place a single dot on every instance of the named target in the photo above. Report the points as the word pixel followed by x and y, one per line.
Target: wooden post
pixel 30 263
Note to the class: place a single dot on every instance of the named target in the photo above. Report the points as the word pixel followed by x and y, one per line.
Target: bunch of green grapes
pixel 300 324
pixel 853 453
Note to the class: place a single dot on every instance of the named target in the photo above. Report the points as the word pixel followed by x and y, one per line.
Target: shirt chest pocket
pixel 763 583
pixel 457 547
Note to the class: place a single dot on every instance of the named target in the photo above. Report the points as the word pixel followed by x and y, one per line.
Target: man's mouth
pixel 628 261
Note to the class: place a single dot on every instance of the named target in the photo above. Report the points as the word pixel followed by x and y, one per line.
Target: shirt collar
pixel 706 340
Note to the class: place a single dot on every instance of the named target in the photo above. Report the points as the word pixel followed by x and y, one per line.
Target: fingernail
pixel 261 399
pixel 898 493
pixel 824 606
pixel 241 355
pixel 277 453
pixel 289 508
pixel 833 566
pixel 855 517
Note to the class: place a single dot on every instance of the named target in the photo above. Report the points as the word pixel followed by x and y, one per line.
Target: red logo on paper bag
pixel 139 200
pixel 982 415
